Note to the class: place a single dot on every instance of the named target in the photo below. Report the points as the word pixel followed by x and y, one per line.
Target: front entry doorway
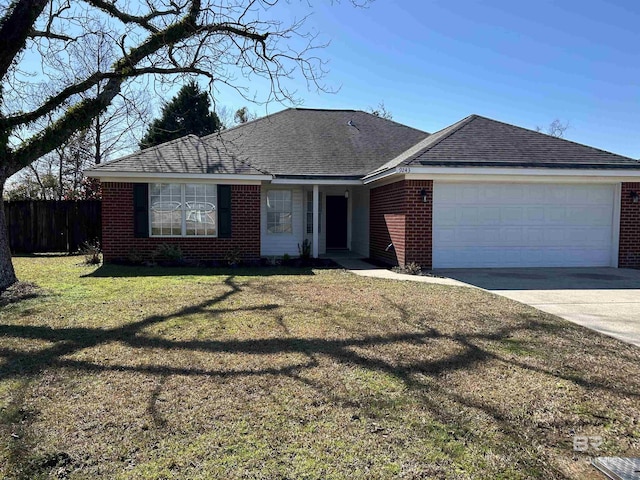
pixel 336 222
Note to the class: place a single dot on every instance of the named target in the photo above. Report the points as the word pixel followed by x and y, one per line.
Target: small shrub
pixel 91 252
pixel 233 257
pixel 168 254
pixel 134 258
pixel 286 259
pixel 409 269
pixel 305 250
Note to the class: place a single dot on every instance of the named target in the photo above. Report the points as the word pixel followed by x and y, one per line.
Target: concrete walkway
pixel 606 300
pixel 364 269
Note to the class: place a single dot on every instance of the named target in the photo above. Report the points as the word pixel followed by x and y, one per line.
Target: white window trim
pixel 266 198
pixel 309 211
pixel 183 227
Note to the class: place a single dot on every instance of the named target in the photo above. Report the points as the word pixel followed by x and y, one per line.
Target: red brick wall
pixel 386 201
pixel 118 241
pixel 629 252
pixel 419 222
pixel 398 216
pixel 396 227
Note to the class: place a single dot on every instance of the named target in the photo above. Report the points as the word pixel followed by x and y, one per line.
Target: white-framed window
pixel 310 212
pixel 279 211
pixel 183 209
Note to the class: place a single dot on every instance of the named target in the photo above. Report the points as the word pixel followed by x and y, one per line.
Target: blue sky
pixel 527 63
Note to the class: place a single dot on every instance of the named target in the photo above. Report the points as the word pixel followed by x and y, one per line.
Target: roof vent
pixel 351 124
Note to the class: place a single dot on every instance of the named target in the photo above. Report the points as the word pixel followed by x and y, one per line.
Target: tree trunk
pixel 60 177
pixel 7 273
pixel 98 157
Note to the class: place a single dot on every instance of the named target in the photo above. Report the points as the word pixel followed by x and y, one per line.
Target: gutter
pixel 128 176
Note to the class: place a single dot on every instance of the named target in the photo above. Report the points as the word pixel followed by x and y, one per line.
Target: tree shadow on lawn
pixel 424 378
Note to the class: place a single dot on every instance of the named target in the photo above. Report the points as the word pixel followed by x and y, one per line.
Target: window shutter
pixel 224 211
pixel 140 210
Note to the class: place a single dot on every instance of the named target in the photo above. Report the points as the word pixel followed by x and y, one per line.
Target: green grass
pixel 126 372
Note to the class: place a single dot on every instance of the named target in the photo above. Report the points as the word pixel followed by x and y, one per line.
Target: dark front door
pixel 336 222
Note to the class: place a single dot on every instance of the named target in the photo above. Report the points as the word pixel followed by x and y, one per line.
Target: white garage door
pixel 522 225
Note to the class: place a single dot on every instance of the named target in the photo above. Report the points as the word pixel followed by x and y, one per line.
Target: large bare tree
pixel 223 40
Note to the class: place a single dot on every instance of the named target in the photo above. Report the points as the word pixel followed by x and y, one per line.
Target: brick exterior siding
pixel 629 251
pixel 118 241
pixel 398 216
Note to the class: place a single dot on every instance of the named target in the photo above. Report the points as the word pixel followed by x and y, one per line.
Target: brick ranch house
pixel 479 193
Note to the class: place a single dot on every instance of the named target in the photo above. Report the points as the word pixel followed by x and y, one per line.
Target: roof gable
pixel 480 141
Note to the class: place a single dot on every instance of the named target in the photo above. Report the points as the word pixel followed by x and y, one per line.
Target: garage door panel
pixel 469 195
pixel 600 196
pixel 505 257
pixel 556 195
pixel 444 235
pixel 536 195
pixel 489 215
pixel 556 215
pixel 535 215
pixel 489 195
pixel 446 215
pixel 489 236
pixel 534 236
pixel 511 225
pixel 577 196
pixel 468 215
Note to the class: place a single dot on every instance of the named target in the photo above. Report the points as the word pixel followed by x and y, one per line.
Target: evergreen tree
pixel 187 113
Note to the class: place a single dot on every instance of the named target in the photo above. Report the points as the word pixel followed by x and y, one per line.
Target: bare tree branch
pixel 143 21
pixel 47 94
pixel 15 28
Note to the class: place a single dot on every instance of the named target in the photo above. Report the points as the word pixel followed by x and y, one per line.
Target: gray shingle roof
pixel 350 144
pixel 480 141
pixel 297 141
pixel 189 154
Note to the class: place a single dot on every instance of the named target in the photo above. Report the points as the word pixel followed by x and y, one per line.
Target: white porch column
pixel 316 217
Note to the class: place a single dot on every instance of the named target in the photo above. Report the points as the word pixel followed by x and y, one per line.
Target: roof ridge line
pixel 327 109
pixel 461 123
pixel 255 120
pixel 394 121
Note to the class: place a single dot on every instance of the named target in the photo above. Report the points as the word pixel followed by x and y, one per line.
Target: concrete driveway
pixel 603 299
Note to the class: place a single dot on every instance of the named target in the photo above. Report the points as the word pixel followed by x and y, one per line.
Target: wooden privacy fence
pixel 51 225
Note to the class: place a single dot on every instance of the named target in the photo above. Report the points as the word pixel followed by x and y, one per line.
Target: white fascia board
pixel 306 181
pixel 380 175
pixel 506 174
pixel 522 171
pixel 148 177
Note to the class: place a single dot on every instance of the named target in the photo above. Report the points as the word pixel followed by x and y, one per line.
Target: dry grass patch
pixel 153 373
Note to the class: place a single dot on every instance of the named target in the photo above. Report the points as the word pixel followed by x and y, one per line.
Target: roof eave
pixel 317 180
pixel 102 174
pixel 610 173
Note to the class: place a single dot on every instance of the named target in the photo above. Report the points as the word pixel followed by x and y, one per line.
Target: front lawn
pixel 188 373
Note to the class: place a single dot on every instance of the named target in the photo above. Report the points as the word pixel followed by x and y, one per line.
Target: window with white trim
pixel 310 212
pixel 183 209
pixel 279 211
